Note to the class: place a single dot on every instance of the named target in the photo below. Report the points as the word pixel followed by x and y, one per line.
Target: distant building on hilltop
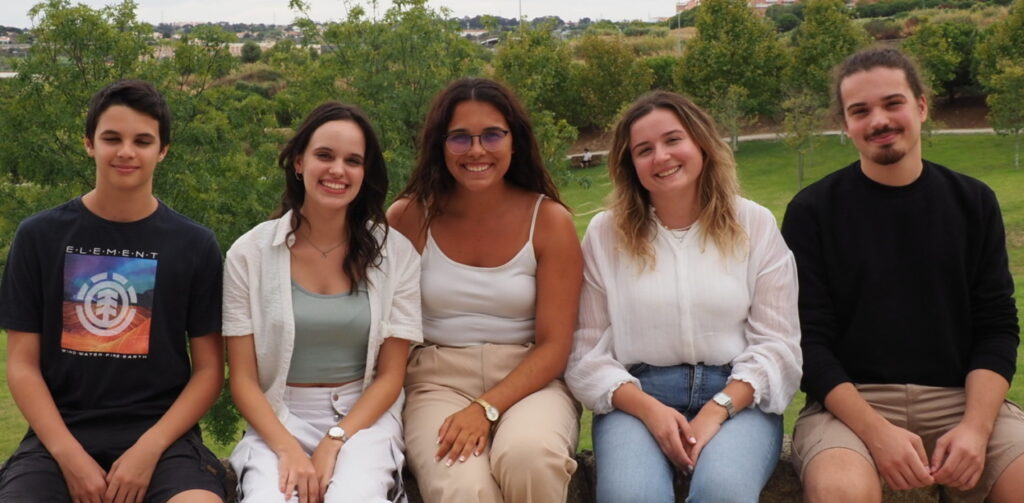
pixel 685 5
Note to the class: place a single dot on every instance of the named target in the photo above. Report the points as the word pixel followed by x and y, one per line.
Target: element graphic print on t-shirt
pixel 108 302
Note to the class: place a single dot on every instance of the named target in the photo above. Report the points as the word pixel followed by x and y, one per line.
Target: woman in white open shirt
pixel 320 307
pixel 687 347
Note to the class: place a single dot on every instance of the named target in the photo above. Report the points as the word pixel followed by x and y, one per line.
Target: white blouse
pixel 693 306
pixel 257 301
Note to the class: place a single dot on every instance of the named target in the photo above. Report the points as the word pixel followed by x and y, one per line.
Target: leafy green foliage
pixel 1001 43
pixel 251 52
pixel 827 36
pixel 1006 104
pixel 734 46
pixel 536 64
pixel 607 77
pixel 804 117
pixel 662 67
pixel 945 51
pixel 786 17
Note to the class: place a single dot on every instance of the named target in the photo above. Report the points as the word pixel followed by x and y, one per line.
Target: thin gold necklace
pixel 323 253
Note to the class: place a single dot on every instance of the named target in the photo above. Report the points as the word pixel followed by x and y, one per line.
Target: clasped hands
pixel 958 460
pixel 680 440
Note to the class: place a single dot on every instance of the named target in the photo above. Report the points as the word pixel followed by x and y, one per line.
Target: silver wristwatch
pixel 725 401
pixel 337 433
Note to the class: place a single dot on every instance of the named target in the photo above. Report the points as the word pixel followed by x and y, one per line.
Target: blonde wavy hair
pixel 717 186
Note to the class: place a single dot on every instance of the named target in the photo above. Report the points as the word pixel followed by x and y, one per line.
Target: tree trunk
pixel 799 170
pixel 1016 150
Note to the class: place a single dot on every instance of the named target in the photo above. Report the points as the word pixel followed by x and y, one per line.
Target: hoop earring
pixel 298 176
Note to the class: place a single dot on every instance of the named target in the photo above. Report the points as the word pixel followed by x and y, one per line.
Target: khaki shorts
pixel 927 411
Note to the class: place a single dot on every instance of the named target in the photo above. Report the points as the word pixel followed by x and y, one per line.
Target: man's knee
pixel 841 475
pixel 1010 484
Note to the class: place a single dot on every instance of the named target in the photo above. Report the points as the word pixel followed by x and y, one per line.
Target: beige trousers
pixel 530 456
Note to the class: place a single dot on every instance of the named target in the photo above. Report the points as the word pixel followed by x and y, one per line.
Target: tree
pixel 826 37
pixel 944 51
pixel 1006 105
pixel 662 67
pixel 251 52
pixel 726 107
pixel 803 120
pixel 606 78
pixel 202 56
pixel 391 68
pixel 536 64
pixel 733 46
pixel 1001 42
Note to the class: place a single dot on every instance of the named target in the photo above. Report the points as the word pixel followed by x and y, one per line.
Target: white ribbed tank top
pixel 464 305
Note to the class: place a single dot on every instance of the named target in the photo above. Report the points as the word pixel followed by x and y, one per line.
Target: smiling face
pixel 882 117
pixel 332 166
pixel 668 162
pixel 126 148
pixel 478 168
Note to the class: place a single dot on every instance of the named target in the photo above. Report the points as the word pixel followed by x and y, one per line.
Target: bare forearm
pixel 375 401
pixel 544 363
pixel 33 398
pixel 845 402
pixel 253 404
pixel 195 399
pixel 632 400
pixel 986 391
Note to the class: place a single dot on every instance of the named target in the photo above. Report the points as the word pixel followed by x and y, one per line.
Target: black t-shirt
pixel 113 303
pixel 901 285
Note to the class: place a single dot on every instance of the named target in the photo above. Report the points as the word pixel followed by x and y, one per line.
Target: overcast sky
pixel 15 12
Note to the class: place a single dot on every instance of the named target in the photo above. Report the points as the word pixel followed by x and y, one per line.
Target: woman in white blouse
pixel 687 348
pixel 320 307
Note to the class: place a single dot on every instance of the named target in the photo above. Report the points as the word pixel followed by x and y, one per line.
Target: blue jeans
pixel 733 467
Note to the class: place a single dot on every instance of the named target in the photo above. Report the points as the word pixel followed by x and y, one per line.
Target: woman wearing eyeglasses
pixel 487 416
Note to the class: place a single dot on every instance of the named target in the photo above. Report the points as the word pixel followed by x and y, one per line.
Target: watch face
pixel 492 414
pixel 336 432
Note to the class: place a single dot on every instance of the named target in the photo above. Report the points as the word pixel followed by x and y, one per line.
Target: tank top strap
pixel 536 211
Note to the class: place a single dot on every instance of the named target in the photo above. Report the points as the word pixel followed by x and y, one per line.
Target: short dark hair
pixel 138 95
pixel 430 181
pixel 366 212
pixel 868 59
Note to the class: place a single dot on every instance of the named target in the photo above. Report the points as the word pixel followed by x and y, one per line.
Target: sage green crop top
pixel 332 333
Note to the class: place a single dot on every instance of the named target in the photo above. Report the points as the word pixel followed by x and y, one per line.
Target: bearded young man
pixel 909 324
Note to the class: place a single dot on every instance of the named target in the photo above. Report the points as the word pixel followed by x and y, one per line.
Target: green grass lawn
pixel 768 176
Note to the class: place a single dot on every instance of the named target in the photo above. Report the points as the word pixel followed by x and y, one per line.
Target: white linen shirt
pixel 693 306
pixel 258 301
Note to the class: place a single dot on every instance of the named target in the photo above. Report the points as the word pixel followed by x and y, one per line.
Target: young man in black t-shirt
pixel 909 327
pixel 112 306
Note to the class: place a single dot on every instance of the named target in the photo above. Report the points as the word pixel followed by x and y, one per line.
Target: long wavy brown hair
pixel 717 186
pixel 366 212
pixel 430 181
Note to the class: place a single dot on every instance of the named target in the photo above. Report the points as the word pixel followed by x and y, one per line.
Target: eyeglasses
pixel 460 143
